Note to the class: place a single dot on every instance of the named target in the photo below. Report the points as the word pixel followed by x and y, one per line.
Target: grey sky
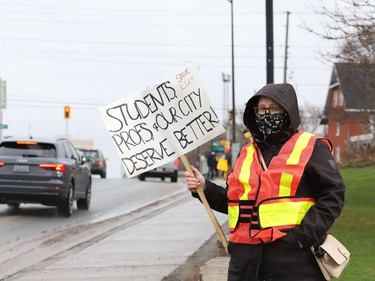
pixel 88 53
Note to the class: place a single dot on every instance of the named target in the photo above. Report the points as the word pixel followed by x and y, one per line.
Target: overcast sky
pixel 88 53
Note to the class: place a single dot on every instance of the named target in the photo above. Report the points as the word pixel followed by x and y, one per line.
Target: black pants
pixel 281 260
pixel 211 172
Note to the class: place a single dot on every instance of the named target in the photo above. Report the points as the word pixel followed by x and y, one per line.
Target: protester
pixel 222 166
pixel 282 195
pixel 211 161
pixel 203 166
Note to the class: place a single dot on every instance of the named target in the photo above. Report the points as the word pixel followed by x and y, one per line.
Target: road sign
pixel 220 146
pixel 3 126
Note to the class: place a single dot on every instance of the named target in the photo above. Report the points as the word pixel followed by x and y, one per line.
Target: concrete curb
pixel 215 269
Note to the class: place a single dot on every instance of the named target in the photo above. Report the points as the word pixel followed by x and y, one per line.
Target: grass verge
pixel 356 225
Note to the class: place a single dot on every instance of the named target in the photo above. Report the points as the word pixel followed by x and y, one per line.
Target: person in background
pixel 211 161
pixel 203 166
pixel 222 166
pixel 282 196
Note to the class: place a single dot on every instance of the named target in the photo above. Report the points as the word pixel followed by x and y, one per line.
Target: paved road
pixel 151 249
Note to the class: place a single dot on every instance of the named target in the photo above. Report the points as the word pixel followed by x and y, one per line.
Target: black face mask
pixel 270 124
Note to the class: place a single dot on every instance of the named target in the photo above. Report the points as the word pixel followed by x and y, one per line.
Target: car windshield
pixel 27 149
pixel 90 153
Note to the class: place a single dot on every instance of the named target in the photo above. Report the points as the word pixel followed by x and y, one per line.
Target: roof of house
pixel 357 82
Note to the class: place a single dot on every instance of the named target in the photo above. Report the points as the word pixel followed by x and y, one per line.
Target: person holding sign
pixel 282 195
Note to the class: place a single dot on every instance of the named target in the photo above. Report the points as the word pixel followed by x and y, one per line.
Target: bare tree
pixel 310 119
pixel 351 24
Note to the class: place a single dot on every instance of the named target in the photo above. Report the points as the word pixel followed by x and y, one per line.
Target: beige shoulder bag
pixel 332 257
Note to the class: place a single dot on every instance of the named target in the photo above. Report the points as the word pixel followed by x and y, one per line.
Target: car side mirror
pixel 84 159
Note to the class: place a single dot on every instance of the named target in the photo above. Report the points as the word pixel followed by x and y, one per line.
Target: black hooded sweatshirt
pixel 321 178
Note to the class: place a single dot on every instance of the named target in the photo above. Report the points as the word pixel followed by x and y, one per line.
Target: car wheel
pixel 65 207
pixel 141 177
pixel 14 205
pixel 103 175
pixel 174 177
pixel 84 204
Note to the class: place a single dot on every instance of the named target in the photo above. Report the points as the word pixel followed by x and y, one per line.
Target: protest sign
pixel 162 122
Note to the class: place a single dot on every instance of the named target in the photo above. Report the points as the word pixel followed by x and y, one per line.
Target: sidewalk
pixel 149 250
pixel 215 269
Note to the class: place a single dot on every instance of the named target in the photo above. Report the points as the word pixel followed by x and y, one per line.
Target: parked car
pixel 169 170
pixel 97 161
pixel 43 171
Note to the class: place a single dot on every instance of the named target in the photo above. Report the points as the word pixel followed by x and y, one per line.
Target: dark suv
pixel 43 171
pixel 97 161
pixel 169 170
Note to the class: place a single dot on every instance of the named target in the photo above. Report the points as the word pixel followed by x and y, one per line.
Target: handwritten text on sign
pixel 161 123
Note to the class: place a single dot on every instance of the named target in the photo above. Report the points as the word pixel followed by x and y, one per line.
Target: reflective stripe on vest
pixel 251 213
pixel 286 179
pixel 244 179
pixel 284 213
pixel 233 215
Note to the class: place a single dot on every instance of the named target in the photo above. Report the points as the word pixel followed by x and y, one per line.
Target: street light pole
pixel 226 80
pixel 2 105
pixel 269 39
pixel 233 93
pixel 286 47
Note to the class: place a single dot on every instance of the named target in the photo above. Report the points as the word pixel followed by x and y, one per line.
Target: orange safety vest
pixel 263 203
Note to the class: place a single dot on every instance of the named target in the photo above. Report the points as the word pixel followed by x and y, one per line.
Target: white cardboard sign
pixel 162 122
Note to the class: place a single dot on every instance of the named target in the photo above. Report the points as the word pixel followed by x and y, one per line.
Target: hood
pixel 284 95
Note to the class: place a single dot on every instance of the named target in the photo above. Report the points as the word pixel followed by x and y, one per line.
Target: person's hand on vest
pixel 194 180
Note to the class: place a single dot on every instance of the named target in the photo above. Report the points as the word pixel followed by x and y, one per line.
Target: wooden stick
pixel 203 198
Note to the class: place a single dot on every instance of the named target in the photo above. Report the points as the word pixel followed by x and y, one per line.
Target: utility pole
pixel 233 93
pixel 226 80
pixel 286 46
pixel 269 40
pixel 66 117
pixel 2 105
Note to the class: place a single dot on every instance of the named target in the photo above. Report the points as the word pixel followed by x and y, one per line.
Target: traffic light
pixel 66 111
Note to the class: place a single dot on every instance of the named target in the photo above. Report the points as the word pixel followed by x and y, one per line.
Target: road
pixel 110 197
pixel 36 233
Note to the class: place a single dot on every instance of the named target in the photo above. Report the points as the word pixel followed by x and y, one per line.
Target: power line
pixel 71 41
pixel 126 11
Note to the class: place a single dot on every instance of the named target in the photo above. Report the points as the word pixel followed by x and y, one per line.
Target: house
pixel 349 111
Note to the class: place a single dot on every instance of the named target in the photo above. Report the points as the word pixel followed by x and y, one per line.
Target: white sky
pixel 88 53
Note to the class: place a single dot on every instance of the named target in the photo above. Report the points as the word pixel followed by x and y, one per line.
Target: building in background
pixel 349 112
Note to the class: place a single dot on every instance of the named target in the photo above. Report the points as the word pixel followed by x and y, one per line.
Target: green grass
pixel 355 228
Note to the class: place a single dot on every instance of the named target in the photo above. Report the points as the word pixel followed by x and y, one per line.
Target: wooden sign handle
pixel 203 198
